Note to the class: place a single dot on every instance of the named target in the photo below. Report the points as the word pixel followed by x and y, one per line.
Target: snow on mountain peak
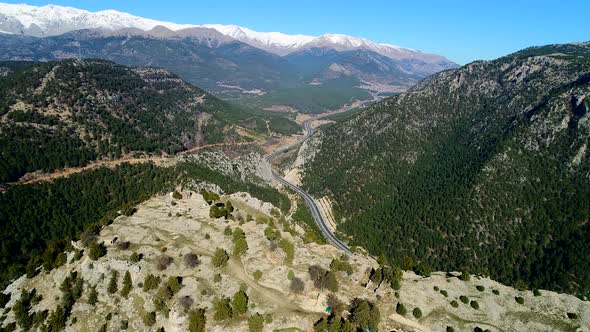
pixel 52 20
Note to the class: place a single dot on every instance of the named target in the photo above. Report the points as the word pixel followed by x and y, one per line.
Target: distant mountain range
pixel 228 60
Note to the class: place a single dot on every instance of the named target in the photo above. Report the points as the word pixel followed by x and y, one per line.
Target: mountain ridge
pixel 52 20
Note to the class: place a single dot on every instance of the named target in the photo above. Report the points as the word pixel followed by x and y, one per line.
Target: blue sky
pixel 461 30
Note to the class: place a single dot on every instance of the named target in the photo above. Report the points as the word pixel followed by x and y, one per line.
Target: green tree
pixel 127 285
pixel 220 258
pixel 240 303
pixel 95 250
pixel 417 313
pixel 364 314
pixel 113 283
pixel 240 243
pixel 93 296
pixel 257 275
pixel 331 281
pixel 150 282
pixel 256 323
pixel 272 234
pixel 222 309
pixel 401 309
pixel 197 321
pixel 149 318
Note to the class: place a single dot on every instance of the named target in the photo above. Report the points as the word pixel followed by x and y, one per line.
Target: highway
pixel 319 220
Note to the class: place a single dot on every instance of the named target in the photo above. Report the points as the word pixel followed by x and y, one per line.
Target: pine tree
pixel 112 287
pixel 240 303
pixel 127 285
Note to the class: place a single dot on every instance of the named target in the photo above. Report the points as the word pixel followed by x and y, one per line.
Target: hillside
pixel 170 264
pixel 267 70
pixel 484 168
pixel 68 113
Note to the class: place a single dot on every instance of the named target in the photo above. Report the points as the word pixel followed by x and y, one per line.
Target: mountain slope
pixel 484 168
pixel 58 114
pixel 228 60
pixel 210 60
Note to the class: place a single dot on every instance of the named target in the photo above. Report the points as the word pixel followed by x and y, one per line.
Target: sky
pixel 463 31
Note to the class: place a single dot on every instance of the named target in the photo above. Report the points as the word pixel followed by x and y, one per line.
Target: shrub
pixel 123 245
pixel 474 305
pixel 163 261
pixel 186 302
pixel 495 291
pixel 291 275
pixel 239 303
pixel 465 276
pixel 191 260
pixel 220 258
pixel 176 195
pixel 436 289
pixel 338 265
pixel 257 275
pixel 519 300
pixel 227 231
pixel 464 299
pixel 149 318
pixel 150 282
pixel 536 292
pixel 297 285
pixel 272 234
pixel 480 288
pixel 450 329
pixel 572 315
pixel 209 197
pixel 401 309
pixel 331 281
pixel 423 269
pixel 95 250
pixel 222 309
pixel 334 302
pixel 256 323
pixel 454 304
pixel 417 313
pixel 134 257
pixel 289 249
pixel 124 325
pixel 217 278
pixel 444 293
pixel 197 321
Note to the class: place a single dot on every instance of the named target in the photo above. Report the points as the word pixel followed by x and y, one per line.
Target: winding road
pixel 315 211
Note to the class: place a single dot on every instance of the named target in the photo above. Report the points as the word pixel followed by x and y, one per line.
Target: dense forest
pixel 38 220
pixel 68 113
pixel 484 169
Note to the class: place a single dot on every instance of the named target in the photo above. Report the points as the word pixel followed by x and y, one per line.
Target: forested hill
pixel 58 114
pixel 484 168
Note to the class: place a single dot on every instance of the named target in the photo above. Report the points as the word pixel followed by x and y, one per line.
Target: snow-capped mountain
pixel 54 20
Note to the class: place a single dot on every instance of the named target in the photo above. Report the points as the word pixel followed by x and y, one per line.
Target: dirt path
pixel 236 270
pixel 114 163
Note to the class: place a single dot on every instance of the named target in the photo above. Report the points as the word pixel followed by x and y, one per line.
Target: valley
pixel 161 175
